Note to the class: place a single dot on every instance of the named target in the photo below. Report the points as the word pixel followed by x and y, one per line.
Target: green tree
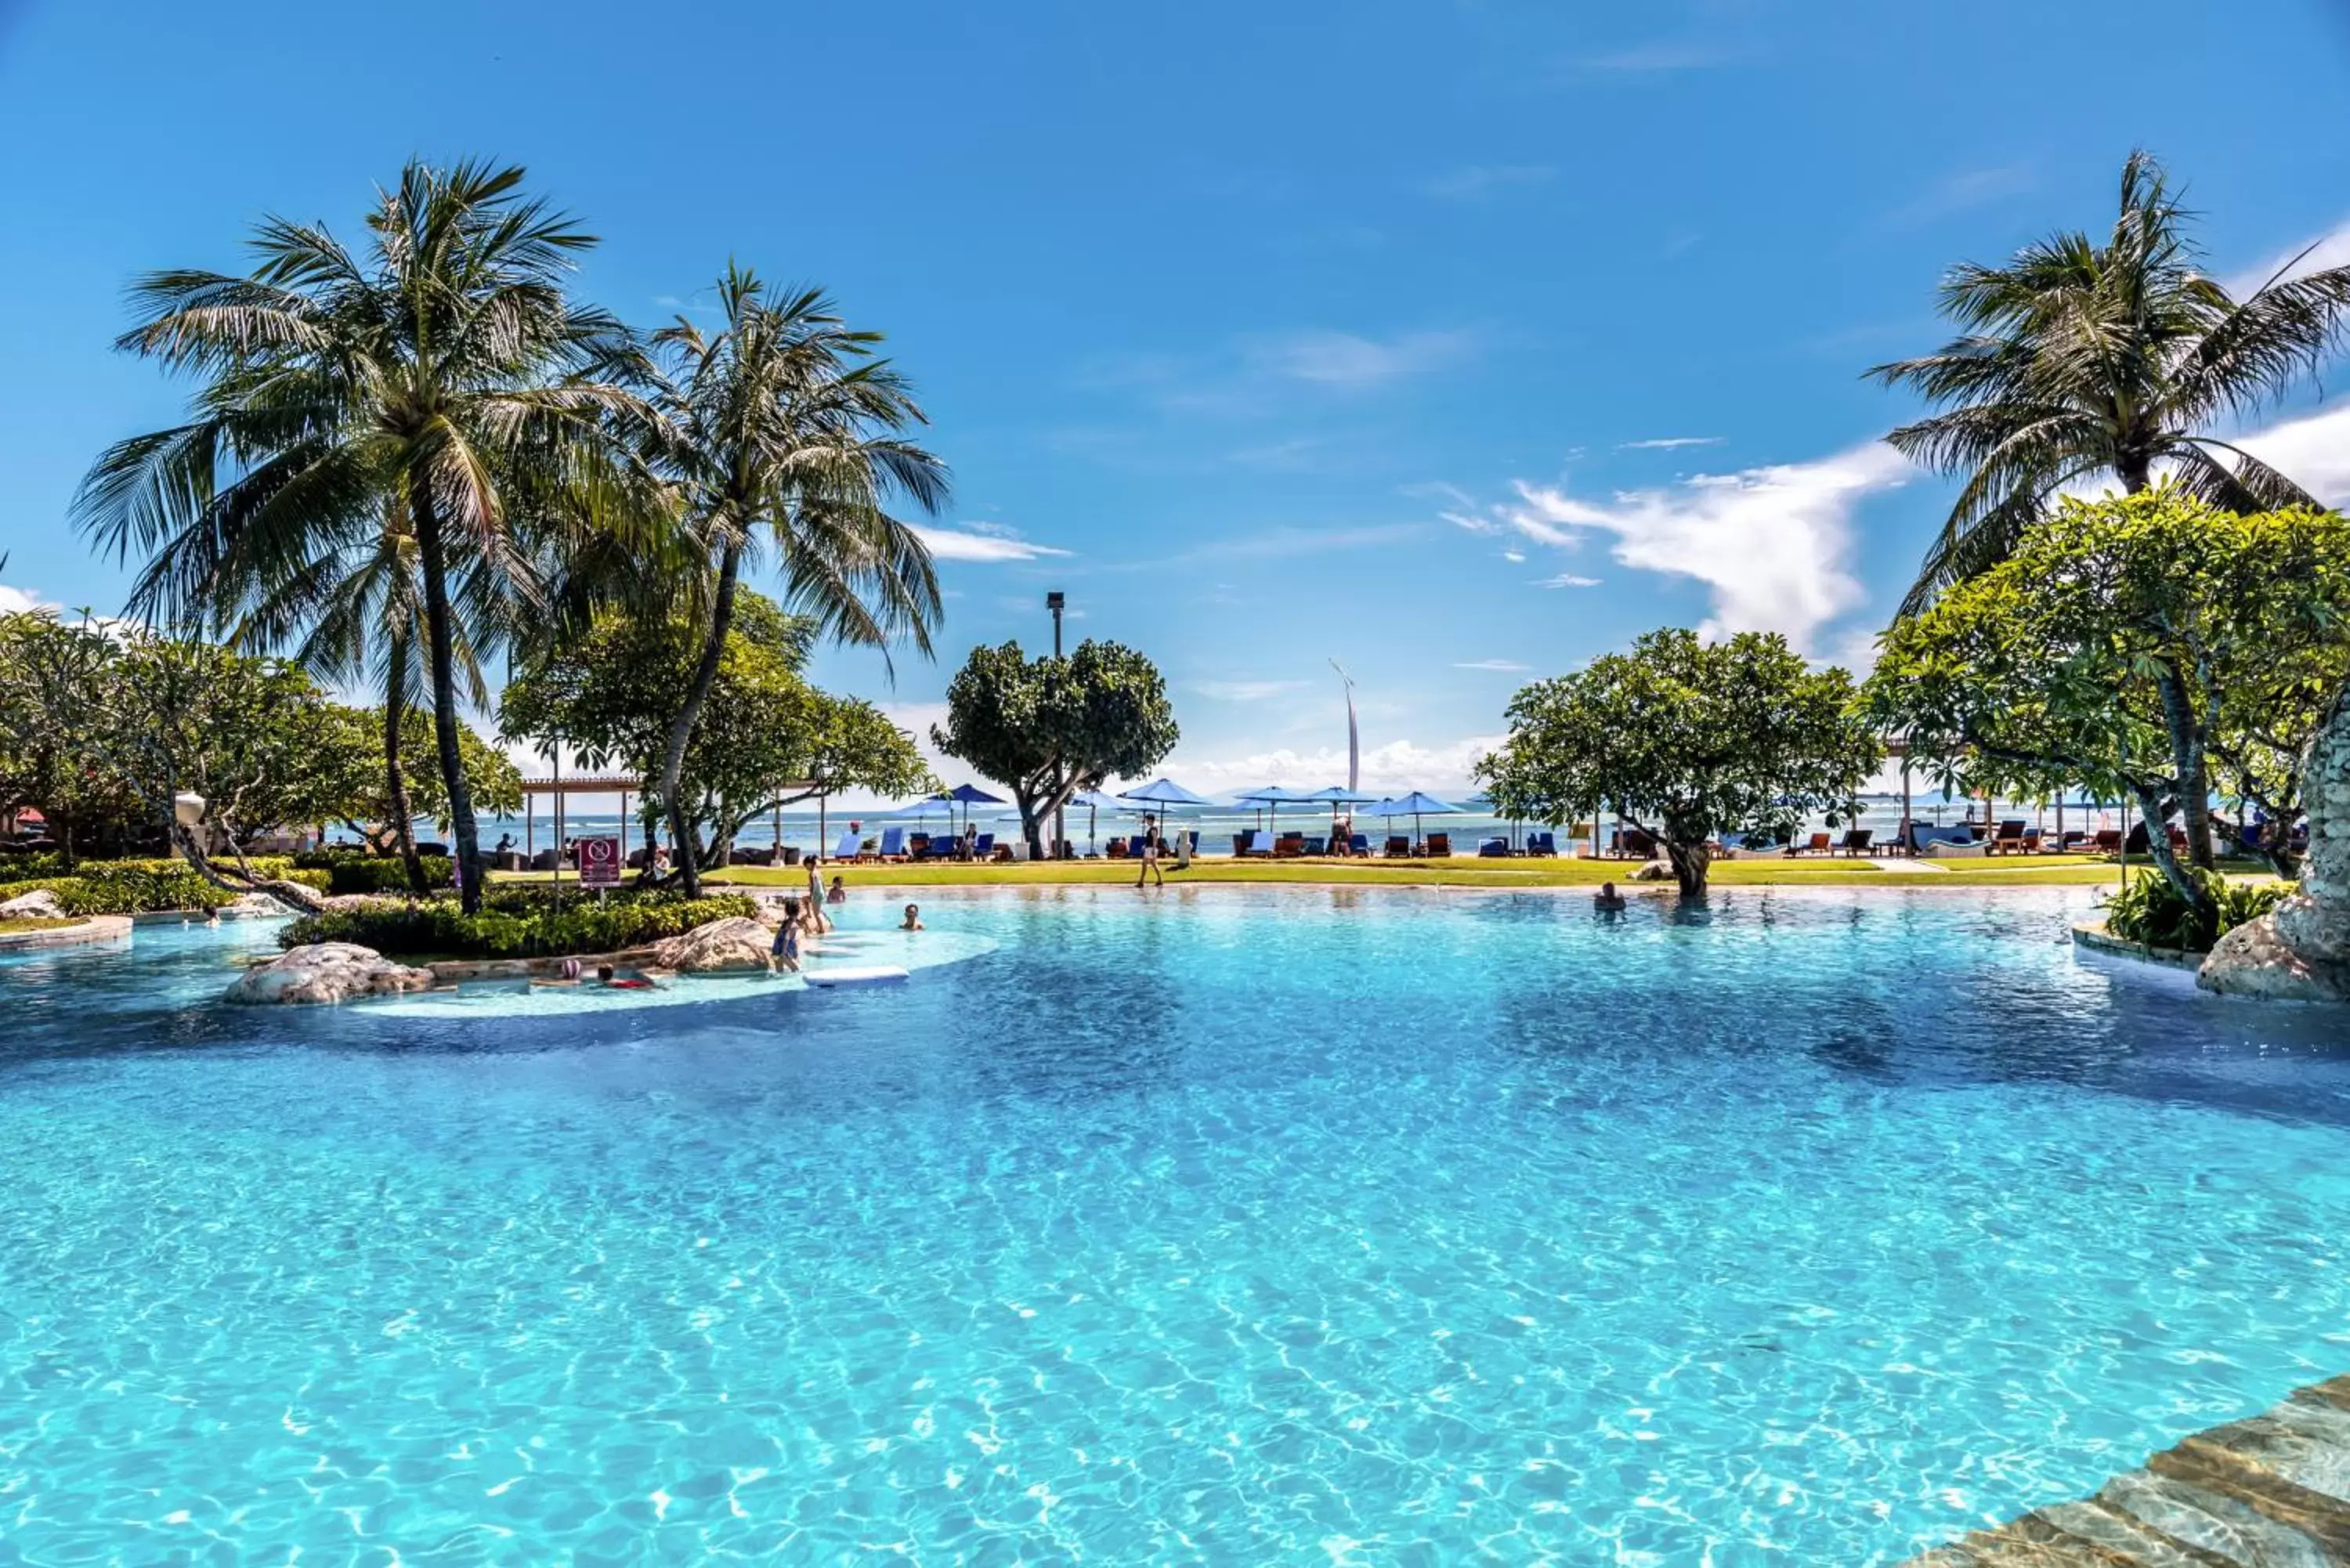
pixel 437 391
pixel 2149 646
pixel 491 778
pixel 763 739
pixel 53 680
pixel 2076 359
pixel 1687 740
pixel 781 428
pixel 1046 728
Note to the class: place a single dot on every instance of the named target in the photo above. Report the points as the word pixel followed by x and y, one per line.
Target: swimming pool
pixel 1220 1225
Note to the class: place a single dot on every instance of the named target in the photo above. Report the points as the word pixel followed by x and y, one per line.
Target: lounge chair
pixel 1817 843
pixel 2107 842
pixel 1492 849
pixel 1855 841
pixel 1542 844
pixel 1113 850
pixel 1398 847
pixel 848 848
pixel 1249 843
pixel 983 846
pixel 1439 846
pixel 1289 845
pixel 1359 846
pixel 1315 847
pixel 893 845
pixel 2008 839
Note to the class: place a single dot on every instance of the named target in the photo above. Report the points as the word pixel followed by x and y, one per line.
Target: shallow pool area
pixel 1220 1225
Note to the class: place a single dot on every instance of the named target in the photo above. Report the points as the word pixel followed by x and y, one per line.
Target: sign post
pixel 600 864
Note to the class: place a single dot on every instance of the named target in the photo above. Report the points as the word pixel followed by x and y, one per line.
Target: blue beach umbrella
pixel 1334 797
pixel 968 795
pixel 1162 794
pixel 1414 805
pixel 1274 797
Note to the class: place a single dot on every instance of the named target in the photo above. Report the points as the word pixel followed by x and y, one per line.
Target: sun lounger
pixel 1250 844
pixel 1289 845
pixel 1492 848
pixel 1545 843
pixel 2107 842
pixel 983 848
pixel 1856 842
pixel 848 848
pixel 1359 846
pixel 1398 847
pixel 1113 850
pixel 893 845
pixel 1439 846
pixel 1817 843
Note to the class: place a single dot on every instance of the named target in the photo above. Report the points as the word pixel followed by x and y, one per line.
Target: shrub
pixel 2148 911
pixel 383 874
pixel 145 887
pixel 36 867
pixel 516 922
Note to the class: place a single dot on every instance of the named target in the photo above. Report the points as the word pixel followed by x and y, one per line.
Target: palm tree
pixel 2076 361
pixel 440 378
pixel 782 429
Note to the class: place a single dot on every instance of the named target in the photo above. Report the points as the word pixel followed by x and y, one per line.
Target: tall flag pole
pixel 1354 742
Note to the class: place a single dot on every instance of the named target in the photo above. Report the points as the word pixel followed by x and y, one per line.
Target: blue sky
pixel 1457 342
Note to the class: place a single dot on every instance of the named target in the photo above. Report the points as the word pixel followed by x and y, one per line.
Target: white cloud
pixel 1773 544
pixel 16 601
pixel 1505 666
pixel 1244 690
pixel 984 542
pixel 1475 180
pixel 1516 558
pixel 1391 769
pixel 1472 522
pixel 2328 250
pixel 1350 360
pixel 1667 443
pixel 2313 451
pixel 1567 580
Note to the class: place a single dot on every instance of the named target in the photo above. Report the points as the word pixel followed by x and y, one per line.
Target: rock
pixel 252 905
pixel 40 904
pixel 326 972
pixel 1653 871
pixel 2302 949
pixel 721 946
pixel 2256 959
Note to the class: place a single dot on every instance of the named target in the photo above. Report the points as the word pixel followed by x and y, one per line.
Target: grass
pixel 1461 871
pixel 12 924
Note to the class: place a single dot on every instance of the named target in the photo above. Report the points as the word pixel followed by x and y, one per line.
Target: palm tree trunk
pixel 2187 755
pixel 395 777
pixel 689 713
pixel 440 637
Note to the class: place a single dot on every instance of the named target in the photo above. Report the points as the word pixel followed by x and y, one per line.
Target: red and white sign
pixel 600 862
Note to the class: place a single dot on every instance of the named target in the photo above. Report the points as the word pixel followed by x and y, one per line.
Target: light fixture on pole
pixel 188 808
pixel 1056 601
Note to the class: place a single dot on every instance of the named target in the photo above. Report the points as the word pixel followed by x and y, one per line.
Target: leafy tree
pixel 782 428
pixel 1687 740
pixel 436 390
pixel 1046 728
pixel 2076 359
pixel 2150 646
pixel 491 777
pixel 52 681
pixel 764 738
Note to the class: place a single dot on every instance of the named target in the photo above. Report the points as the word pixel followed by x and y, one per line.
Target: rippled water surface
pixel 1218 1226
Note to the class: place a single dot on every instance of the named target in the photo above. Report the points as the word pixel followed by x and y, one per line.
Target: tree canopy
pixel 2151 646
pixel 2078 358
pixel 764 737
pixel 1047 727
pixel 1687 740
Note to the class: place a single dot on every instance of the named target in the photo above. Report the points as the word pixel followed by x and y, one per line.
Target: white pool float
pixel 854 974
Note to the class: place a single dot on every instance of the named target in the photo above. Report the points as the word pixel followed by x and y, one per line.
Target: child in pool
pixel 913 919
pixel 786 950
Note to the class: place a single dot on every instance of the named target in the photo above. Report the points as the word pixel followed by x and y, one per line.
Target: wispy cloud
pixel 2313 451
pixel 1774 544
pixel 17 601
pixel 1348 360
pixel 1392 768
pixel 1567 580
pixel 1244 690
pixel 1470 522
pixel 2327 250
pixel 981 542
pixel 1667 443
pixel 1501 665
pixel 1962 191
pixel 1514 557
pixel 1477 180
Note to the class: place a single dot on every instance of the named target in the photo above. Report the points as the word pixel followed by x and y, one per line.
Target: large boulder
pixel 2301 949
pixel 40 904
pixel 326 972
pixel 730 946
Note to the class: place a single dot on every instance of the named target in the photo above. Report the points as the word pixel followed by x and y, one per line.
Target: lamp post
pixel 1056 601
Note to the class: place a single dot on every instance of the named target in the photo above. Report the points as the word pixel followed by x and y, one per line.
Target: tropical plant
pixel 764 739
pixel 2076 359
pixel 2149 646
pixel 782 430
pixel 2148 910
pixel 1047 727
pixel 1686 740
pixel 517 923
pixel 434 396
pixel 53 676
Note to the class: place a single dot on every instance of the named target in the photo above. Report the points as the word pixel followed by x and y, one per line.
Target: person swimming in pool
pixel 913 919
pixel 786 949
pixel 1607 900
pixel 606 978
pixel 840 894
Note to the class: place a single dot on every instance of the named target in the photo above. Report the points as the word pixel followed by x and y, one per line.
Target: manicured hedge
pixel 381 874
pixel 516 923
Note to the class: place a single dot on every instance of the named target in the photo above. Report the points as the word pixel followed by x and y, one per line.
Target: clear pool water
pixel 1238 1227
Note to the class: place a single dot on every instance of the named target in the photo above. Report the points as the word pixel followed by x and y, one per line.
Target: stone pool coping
pixel 96 929
pixel 2093 935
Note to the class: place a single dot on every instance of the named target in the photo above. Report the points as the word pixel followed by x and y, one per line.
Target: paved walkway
pixel 2271 1490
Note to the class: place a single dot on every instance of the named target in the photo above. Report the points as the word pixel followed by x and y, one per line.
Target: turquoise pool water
pixel 1230 1226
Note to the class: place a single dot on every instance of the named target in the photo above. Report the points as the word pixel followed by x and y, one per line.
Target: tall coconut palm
pixel 2078 360
pixel 781 431
pixel 441 376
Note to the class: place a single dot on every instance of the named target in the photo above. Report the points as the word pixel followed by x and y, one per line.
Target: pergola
pixel 583 784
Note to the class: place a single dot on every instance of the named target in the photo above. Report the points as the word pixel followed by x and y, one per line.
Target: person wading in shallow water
pixel 1607 900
